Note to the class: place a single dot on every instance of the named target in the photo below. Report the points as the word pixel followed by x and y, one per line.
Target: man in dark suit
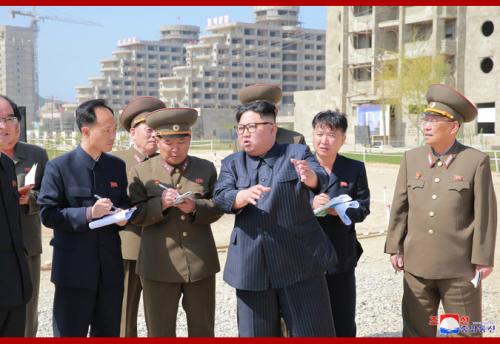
pixel 25 156
pixel 87 266
pixel 347 177
pixel 15 288
pixel 278 253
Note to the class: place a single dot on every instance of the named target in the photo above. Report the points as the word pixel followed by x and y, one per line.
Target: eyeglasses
pixel 251 127
pixel 9 120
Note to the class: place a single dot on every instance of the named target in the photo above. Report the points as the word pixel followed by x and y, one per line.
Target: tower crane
pixel 35 18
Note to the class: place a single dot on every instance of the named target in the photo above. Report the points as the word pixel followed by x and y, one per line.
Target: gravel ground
pixel 379 290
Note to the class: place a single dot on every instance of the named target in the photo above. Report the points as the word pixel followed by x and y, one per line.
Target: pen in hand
pixel 112 206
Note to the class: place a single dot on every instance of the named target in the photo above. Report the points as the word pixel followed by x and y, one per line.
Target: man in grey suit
pixel 25 156
pixel 278 253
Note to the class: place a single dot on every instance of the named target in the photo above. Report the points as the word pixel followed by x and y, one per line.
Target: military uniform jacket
pixel 15 283
pixel 279 242
pixel 175 247
pixel 348 177
pixel 25 156
pixel 131 235
pixel 82 257
pixel 443 216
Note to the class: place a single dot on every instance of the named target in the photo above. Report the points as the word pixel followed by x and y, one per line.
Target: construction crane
pixel 35 18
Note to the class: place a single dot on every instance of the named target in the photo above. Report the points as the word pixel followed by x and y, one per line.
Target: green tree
pixel 407 89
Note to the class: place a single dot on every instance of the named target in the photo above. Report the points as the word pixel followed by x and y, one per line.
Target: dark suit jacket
pixel 25 155
pixel 15 283
pixel 278 242
pixel 348 177
pixel 81 256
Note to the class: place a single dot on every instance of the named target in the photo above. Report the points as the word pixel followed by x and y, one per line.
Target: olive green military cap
pixel 262 92
pixel 172 122
pixel 446 101
pixel 137 109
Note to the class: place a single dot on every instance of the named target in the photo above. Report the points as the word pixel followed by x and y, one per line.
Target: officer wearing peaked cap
pixel 144 147
pixel 271 94
pixel 178 254
pixel 443 219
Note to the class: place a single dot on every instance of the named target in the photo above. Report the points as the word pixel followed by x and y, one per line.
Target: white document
pixel 477 278
pixel 179 199
pixel 340 204
pixel 29 179
pixel 119 216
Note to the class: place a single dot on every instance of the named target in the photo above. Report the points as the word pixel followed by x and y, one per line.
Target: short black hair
pixel 263 108
pixel 332 119
pixel 14 107
pixel 85 113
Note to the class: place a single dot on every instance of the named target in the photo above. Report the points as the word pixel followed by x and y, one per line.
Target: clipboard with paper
pixel 340 204
pixel 119 216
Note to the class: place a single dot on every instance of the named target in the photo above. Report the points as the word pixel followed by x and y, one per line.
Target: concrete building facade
pixel 274 49
pixel 18 77
pixel 136 66
pixel 363 39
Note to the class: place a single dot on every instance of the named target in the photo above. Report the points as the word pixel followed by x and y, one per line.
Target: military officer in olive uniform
pixel 25 156
pixel 178 253
pixel 443 219
pixel 272 94
pixel 144 147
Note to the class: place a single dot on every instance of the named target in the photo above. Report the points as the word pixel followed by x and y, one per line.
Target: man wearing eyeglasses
pixel 25 156
pixel 15 287
pixel 443 219
pixel 278 253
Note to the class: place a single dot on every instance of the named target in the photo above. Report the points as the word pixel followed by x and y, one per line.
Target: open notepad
pixel 122 215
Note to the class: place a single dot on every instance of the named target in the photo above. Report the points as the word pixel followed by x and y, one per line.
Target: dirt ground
pixel 381 179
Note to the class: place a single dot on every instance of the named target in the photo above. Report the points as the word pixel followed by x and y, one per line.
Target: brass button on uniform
pixel 431 214
pixel 183 217
pixel 437 180
pixel 184 234
pixel 178 186
pixel 430 231
pixel 440 163
pixel 176 170
pixel 434 196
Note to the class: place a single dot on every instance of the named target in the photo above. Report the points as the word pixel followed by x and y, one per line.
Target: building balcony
pixel 417 14
pixel 448 47
pixel 418 49
pixel 171 90
pixel 360 56
pixel 448 12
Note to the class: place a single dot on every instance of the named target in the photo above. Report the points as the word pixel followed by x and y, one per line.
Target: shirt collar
pixel 446 158
pixel 86 159
pixel 270 157
pixel 171 168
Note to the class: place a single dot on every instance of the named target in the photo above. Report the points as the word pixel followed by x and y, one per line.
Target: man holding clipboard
pixel 87 266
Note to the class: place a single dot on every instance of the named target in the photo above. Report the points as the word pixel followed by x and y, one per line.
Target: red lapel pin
pixel 113 184
pixel 344 184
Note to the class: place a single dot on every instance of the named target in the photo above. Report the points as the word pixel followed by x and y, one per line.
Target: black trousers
pixel 75 310
pixel 12 320
pixel 342 288
pixel 305 307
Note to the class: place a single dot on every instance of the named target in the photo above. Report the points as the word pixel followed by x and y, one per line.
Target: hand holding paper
pixel 29 179
pixel 340 204
pixel 120 216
